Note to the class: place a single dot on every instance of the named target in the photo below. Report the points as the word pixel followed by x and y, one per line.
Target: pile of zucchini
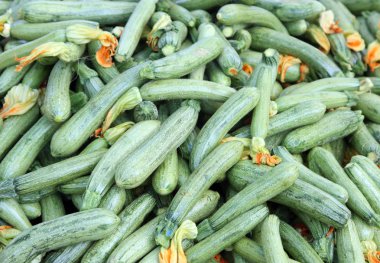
pixel 200 131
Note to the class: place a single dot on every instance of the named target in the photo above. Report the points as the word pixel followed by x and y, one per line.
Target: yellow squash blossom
pixel 355 41
pixel 372 57
pixel 285 63
pixel 328 24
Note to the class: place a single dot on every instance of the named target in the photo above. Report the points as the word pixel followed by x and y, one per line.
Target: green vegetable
pixel 348 244
pixel 369 103
pixel 10 77
pixel 364 143
pixel 250 250
pixel 52 207
pixel 76 186
pixel 32 210
pixel 12 213
pixel 165 178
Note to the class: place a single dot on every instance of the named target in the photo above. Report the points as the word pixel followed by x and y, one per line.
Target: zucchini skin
pixel 329 84
pixel 261 190
pixel 57 106
pixel 23 153
pixel 249 250
pixel 369 167
pixel 373 128
pixel 348 244
pixel 111 13
pixel 364 143
pixel 32 210
pixel 331 169
pixel 173 89
pixel 133 30
pixel 37 74
pixel 114 200
pixel 131 218
pixel 229 234
pixel 369 103
pixel 322 66
pixel 199 4
pixel 64 231
pixel 14 127
pixel 232 14
pixel 177 12
pixel 144 111
pixel 165 178
pixel 102 177
pixel 10 77
pixel 235 108
pixel 216 163
pixel 52 207
pixel 321 132
pixel 216 75
pixel 173 132
pixel 12 213
pixel 75 132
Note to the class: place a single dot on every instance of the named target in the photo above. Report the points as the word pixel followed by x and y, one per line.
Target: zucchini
pixel 235 108
pixel 77 227
pixel 242 40
pixel 296 245
pixel 76 186
pixel 216 75
pixel 144 111
pixel 10 77
pixel 69 254
pixel 32 210
pixel 97 144
pixel 229 234
pixel 340 51
pixel 172 40
pixel 165 178
pixel 136 168
pixel 369 167
pixel 12 213
pixel 177 12
pixel 37 74
pixel 14 127
pixel 32 31
pixel 317 61
pixel 364 143
pixel 36 196
pixel 172 89
pixel 133 30
pixel 114 200
pixel 249 250
pixel 51 175
pixel 57 104
pixel 330 168
pixel 89 79
pixel 369 103
pixel 199 4
pixel 261 190
pixel 21 156
pixel 348 244
pixel 52 207
pixel 321 132
pixel 304 113
pixel 364 31
pixel 365 231
pixel 242 14
pixel 216 163
pixel 187 146
pixel 183 172
pixel 111 13
pixel 201 16
pixel 374 129
pixel 296 28
pixel 102 177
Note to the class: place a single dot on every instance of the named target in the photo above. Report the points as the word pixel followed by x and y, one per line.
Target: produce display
pixel 199 131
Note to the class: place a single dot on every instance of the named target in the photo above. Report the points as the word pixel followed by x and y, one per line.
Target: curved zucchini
pixel 369 167
pixel 76 186
pixel 12 213
pixel 136 168
pixel 64 231
pixel 364 143
pixel 102 177
pixel 348 244
pixel 10 77
pixel 144 111
pixel 369 103
pixel 249 250
pixel 52 207
pixel 32 210
pixel 165 178
pixel 216 163
pixel 172 89
pixel 235 108
pixel 321 132
pixel 242 14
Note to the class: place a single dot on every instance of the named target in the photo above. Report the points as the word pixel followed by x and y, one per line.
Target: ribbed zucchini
pixel 76 186
pixel 32 210
pixel 370 168
pixel 364 143
pixel 250 250
pixel 12 213
pixel 165 178
pixel 348 244
pixel 52 207
pixel 10 77
pixel 369 103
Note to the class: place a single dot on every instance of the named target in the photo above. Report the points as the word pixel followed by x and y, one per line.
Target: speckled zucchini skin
pixel 12 213
pixel 165 178
pixel 348 244
pixel 369 104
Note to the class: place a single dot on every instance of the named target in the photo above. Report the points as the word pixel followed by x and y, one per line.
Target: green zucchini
pixel 36 195
pixel 10 77
pixel 215 74
pixel 172 40
pixel 136 168
pixel 51 175
pixel 258 192
pixel 235 108
pixel 97 144
pixel 364 143
pixel 12 213
pixel 374 129
pixel 131 218
pixel 13 43
pixel 165 178
pixel 57 104
pixel 365 231
pixel 241 14
pixel 76 186
pixel 177 12
pixel 37 74
pixel 250 250
pixel 321 132
pixel 348 244
pixel 114 200
pixel 369 167
pixel 369 103
pixel 14 127
pixel 364 30
pixel 145 110
pixel 275 140
pixel 22 155
pixel 332 99
pixel 7 58
pixel 78 227
pixel 89 78
pixel 243 39
pixel 304 113
pixel 330 168
pixel 32 31
pixel 69 254
pixel 296 28
pixel 199 4
pixel 102 177
pixel 185 89
pixel 75 132
pixel 296 245
pixel 216 163
pixel 111 13
pixel 317 61
pixel 32 210
pixel 133 30
pixel 187 146
pixel 52 207
pixel 341 53
pixel 183 172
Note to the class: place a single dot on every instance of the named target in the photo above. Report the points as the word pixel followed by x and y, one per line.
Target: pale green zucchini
pixel 89 78
pixel 215 74
pixel 12 43
pixel 369 103
pixel 32 210
pixel 185 89
pixel 341 53
pixel 36 195
pixel 297 246
pixel 76 186
pixel 187 146
pixel 321 132
pixel 229 234
pixel 374 129
pixel 69 254
pixel 172 40
pixel 369 167
pixel 51 175
pixel 330 168
pixel 364 30
pixel 364 143
pixel 183 171
pixel 177 12
pixel 296 28
pixel 32 31
pixel 102 177
pixel 199 4
pixel 114 200
pixel 235 108
pixel 144 111
pixel 137 168
pixel 97 144
pixel 365 231
pixel 338 148
pixel 37 74
pixel 201 16
pixel 10 77
pixel 216 163
pixel 348 244
pixel 165 178
pixel 64 231
pixel 133 30
pixel 258 192
pixel 242 40
pixel 52 207
pixel 241 14
pixel 12 213
pixel 111 13
pixel 250 250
